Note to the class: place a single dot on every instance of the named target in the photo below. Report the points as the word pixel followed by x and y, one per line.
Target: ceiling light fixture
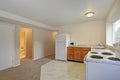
pixel 89 14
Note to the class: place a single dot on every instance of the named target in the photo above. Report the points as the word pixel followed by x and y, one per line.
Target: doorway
pixel 26 43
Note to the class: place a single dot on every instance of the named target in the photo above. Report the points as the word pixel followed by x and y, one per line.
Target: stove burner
pixel 96 57
pixel 106 53
pixel 114 58
pixel 94 52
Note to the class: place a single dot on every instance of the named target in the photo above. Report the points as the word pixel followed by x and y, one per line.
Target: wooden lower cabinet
pixel 77 53
pixel 70 53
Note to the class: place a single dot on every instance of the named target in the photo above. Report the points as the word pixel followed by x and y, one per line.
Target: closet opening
pixel 26 43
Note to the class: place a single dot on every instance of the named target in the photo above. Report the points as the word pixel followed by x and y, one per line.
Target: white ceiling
pixel 57 12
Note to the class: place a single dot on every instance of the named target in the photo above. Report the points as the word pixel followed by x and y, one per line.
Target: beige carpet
pixel 60 70
pixel 28 70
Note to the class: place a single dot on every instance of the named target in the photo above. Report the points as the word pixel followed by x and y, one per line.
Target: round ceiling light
pixel 89 14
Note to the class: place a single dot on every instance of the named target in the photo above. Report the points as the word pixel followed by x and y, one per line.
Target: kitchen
pixel 89 37
pixel 101 62
pixel 93 44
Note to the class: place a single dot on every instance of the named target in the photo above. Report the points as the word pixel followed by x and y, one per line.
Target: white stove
pixel 102 64
pixel 105 56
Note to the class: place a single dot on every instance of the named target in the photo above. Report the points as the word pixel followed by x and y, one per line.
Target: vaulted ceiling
pixel 58 12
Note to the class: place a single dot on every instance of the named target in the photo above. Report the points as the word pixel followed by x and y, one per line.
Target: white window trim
pixel 113 32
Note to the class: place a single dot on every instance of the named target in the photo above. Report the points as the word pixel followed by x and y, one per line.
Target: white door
pixel 61 53
pixel 6 46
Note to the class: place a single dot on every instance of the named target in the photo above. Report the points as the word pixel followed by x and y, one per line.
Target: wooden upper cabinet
pixel 77 53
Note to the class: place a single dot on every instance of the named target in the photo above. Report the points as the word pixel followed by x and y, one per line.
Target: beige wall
pixel 54 33
pixel 43 42
pixel 87 33
pixel 114 13
pixel 29 44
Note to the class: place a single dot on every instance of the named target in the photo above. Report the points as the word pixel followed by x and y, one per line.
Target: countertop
pixel 89 46
pixel 86 46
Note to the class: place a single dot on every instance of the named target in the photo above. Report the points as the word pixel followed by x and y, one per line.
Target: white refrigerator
pixel 61 43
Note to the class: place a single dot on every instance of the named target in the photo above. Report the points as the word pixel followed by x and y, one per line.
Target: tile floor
pixel 63 70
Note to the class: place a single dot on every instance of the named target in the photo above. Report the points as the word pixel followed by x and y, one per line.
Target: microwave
pixel 72 44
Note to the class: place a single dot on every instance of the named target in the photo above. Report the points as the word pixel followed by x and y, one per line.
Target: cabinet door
pixel 70 53
pixel 77 54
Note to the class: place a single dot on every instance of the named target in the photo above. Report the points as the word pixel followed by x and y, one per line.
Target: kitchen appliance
pixel 72 44
pixel 102 65
pixel 61 43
